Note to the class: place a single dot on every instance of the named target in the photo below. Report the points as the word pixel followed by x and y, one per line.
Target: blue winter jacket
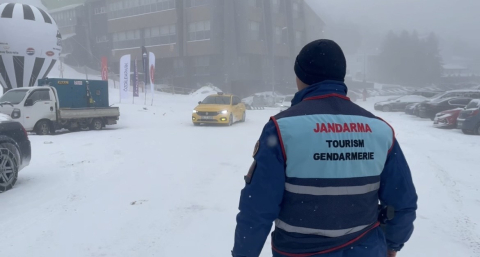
pixel 342 161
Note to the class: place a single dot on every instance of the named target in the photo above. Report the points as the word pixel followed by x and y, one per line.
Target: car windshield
pixel 473 104
pixel 14 96
pixel 437 95
pixel 223 100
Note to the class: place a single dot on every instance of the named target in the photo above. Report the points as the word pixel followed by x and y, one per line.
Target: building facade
pixel 72 25
pixel 241 46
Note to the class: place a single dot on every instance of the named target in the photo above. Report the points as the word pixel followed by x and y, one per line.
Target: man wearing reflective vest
pixel 321 170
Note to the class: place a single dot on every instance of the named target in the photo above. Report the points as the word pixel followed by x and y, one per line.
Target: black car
pixel 469 119
pixel 427 94
pixel 15 152
pixel 430 109
pixel 399 103
pixel 411 109
pixel 467 93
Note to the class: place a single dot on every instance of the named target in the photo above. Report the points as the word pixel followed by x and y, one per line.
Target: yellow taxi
pixel 219 109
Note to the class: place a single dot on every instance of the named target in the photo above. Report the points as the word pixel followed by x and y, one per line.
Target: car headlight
pixel 16 113
pixel 194 111
pixel 224 112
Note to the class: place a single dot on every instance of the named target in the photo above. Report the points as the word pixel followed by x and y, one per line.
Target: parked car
pixel 469 119
pixel 411 109
pixel 427 94
pixel 468 93
pixel 430 109
pixel 286 103
pixel 447 119
pixel 15 151
pixel 399 104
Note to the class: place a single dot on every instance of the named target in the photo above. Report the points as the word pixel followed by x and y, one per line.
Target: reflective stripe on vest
pixel 318 232
pixel 352 190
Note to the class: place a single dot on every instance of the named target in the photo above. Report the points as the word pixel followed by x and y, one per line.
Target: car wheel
pixel 466 132
pixel 477 129
pixel 230 120
pixel 244 116
pixel 42 128
pixel 9 157
pixel 386 108
pixel 97 124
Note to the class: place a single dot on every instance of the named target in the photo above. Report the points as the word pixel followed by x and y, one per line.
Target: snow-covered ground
pixel 155 185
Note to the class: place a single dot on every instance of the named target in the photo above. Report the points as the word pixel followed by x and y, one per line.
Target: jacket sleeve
pixel 260 199
pixel 397 190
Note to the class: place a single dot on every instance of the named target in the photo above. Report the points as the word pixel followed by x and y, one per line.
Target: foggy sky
pixel 450 19
pixel 37 3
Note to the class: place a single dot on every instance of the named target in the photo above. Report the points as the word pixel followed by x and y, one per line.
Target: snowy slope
pixel 155 185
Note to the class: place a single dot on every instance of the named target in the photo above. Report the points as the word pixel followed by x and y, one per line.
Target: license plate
pixel 459 124
pixel 207 118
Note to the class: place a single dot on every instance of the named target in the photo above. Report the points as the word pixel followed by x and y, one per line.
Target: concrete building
pixel 241 46
pixel 73 27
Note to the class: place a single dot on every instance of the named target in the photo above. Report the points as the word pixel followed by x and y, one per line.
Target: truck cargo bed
pixel 83 113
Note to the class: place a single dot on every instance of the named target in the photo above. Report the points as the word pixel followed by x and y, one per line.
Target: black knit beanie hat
pixel 320 60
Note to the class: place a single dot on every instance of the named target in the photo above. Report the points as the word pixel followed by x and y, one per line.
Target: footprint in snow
pixel 139 202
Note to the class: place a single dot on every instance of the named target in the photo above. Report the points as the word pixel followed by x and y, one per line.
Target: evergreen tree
pixel 406 59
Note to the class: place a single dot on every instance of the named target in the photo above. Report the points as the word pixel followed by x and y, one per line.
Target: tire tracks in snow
pixel 463 224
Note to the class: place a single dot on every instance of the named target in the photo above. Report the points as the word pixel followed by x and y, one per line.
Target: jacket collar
pixel 323 88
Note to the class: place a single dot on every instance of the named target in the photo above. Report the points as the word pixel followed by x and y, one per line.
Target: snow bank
pixel 4 117
pixel 206 90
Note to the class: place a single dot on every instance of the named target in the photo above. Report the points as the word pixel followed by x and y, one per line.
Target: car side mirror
pixel 29 102
pixel 199 102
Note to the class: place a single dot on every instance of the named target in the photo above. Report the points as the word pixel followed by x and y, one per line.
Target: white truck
pixel 37 109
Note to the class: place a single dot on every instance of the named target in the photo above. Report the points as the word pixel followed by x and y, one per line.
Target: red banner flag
pixel 104 68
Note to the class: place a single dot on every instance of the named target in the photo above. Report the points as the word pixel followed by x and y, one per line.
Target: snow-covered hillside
pixel 155 185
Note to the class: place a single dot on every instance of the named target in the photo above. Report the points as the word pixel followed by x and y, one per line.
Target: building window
pixel 65 18
pixel 99 10
pixel 199 31
pixel 296 10
pixel 178 68
pixel 255 3
pixel 195 3
pixel 201 66
pixel 278 35
pixel 276 6
pixel 127 8
pixel 127 39
pixel 254 30
pixel 101 39
pixel 298 39
pixel 163 35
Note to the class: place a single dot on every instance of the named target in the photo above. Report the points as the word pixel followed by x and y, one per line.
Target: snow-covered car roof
pixel 464 91
pixel 438 100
